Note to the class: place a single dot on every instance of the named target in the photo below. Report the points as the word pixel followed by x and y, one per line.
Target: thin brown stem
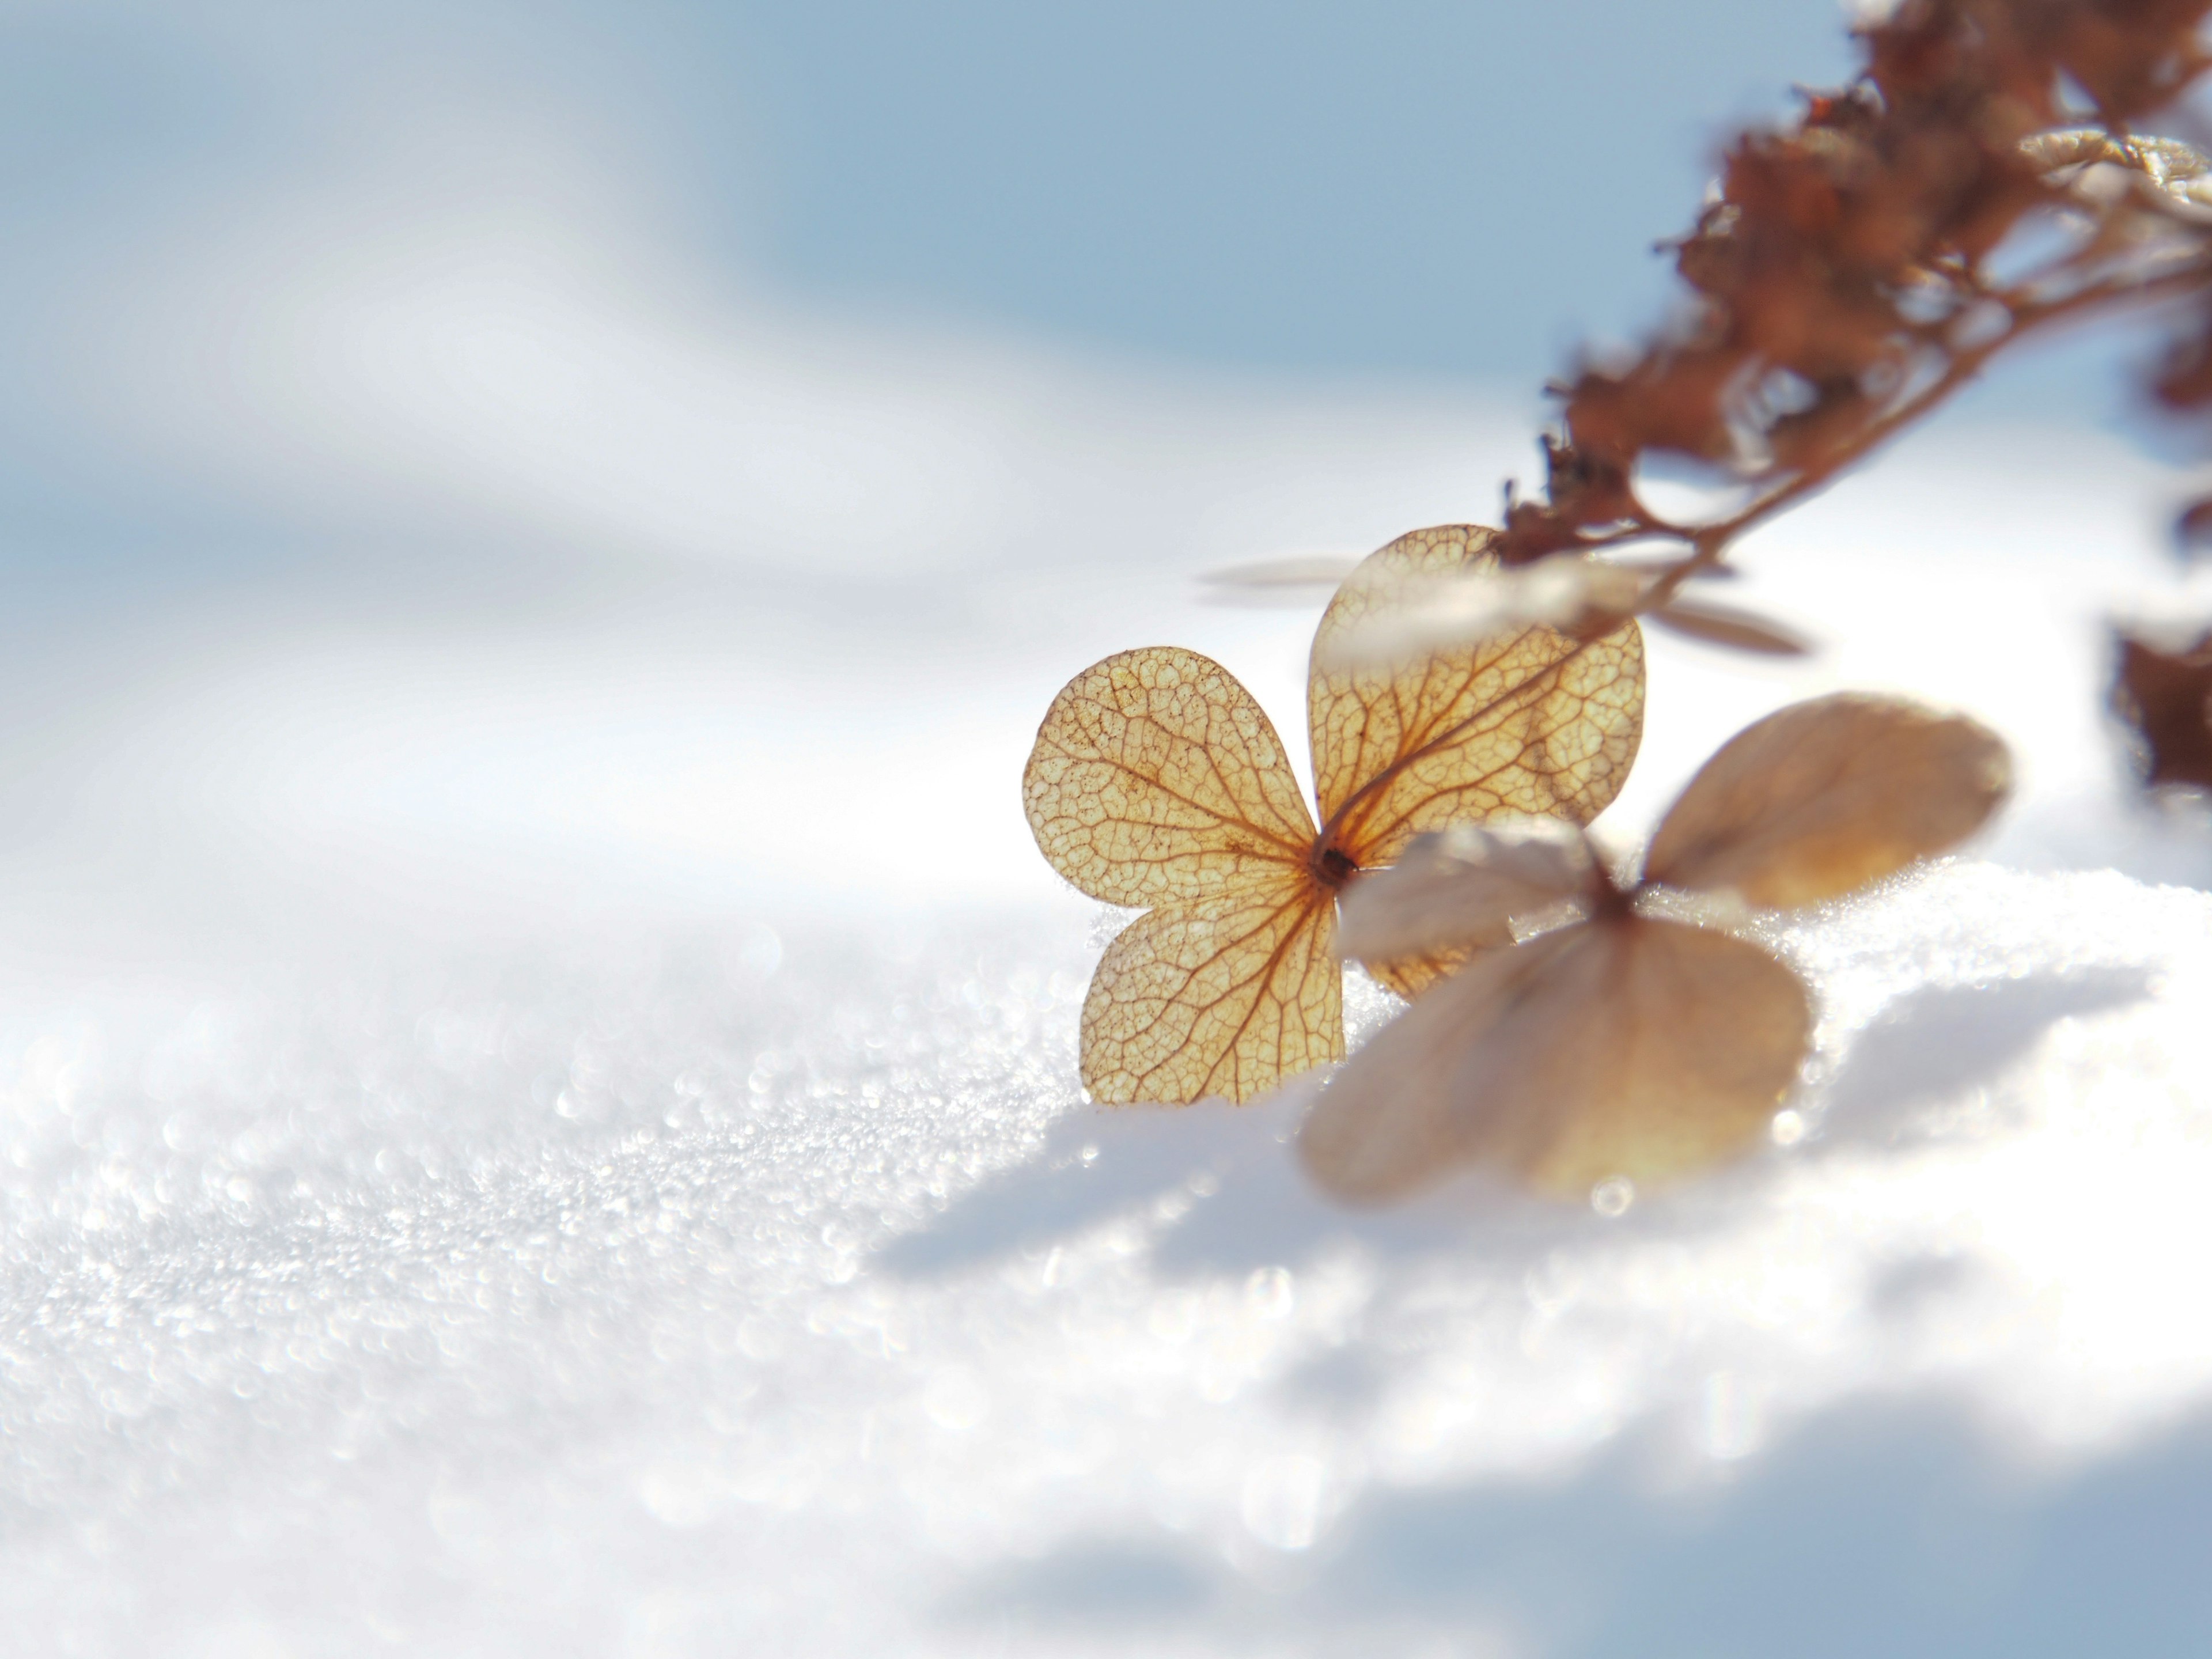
pixel 1709 543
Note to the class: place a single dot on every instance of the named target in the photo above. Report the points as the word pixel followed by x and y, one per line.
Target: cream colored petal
pixel 1535 721
pixel 1464 886
pixel 1231 995
pixel 1389 1124
pixel 1156 778
pixel 1630 1047
pixel 1825 796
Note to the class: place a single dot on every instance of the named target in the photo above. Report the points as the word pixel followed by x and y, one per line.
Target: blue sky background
pixel 1453 194
pixel 1430 188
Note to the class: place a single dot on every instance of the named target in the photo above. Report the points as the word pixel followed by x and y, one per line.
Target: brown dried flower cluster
pixel 1988 175
pixel 1854 270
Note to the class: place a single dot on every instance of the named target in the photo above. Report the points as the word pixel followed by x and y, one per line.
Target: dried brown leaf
pixel 1825 796
pixel 2192 529
pixel 1627 1047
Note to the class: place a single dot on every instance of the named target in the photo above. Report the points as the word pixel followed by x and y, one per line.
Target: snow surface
pixel 537 1066
pixel 656 1295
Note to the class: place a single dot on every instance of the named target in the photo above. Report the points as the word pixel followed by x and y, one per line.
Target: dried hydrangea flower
pixel 1623 1044
pixel 1157 780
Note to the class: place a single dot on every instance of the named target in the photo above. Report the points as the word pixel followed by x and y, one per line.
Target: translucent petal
pixel 1156 777
pixel 1536 721
pixel 1228 996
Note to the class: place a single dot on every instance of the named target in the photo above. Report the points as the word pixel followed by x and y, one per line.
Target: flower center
pixel 1330 867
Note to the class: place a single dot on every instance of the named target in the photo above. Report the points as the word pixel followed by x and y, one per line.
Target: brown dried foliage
pixel 1157 780
pixel 2166 699
pixel 1624 1044
pixel 1841 279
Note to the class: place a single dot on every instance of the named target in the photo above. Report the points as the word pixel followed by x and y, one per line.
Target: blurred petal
pixel 1227 996
pixel 1410 614
pixel 1390 1121
pixel 1823 797
pixel 1297 570
pixel 2096 166
pixel 1632 1047
pixel 1723 624
pixel 1463 886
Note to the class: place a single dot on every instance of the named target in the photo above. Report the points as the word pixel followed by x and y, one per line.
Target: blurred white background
pixel 539 1053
